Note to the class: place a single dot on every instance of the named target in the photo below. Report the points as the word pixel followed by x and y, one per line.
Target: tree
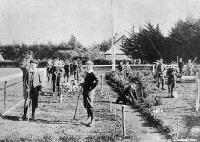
pixel 105 45
pixel 184 39
pixel 147 44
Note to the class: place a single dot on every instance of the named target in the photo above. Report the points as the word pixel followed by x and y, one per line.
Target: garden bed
pixel 172 116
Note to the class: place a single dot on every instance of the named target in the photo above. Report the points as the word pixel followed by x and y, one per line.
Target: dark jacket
pixel 90 81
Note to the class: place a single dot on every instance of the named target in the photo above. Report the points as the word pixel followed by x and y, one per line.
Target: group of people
pixel 136 90
pixel 32 84
pixel 171 74
pixel 57 70
pixel 124 69
pixel 189 67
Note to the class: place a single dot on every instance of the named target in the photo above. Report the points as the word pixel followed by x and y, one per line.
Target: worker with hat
pixel 89 85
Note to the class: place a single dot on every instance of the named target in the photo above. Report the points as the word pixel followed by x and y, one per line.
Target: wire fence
pixel 11 91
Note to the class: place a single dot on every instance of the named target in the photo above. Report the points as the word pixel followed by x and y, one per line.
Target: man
pixel 180 65
pixel 160 74
pixel 89 85
pixel 34 87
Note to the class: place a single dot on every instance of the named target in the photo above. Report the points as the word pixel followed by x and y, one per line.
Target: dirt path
pixel 135 122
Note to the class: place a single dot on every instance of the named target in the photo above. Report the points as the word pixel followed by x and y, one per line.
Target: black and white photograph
pixel 99 70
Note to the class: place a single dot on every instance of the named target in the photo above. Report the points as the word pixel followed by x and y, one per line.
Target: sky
pixel 40 21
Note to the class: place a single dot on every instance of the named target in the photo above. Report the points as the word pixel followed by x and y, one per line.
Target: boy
pixel 33 87
pixel 56 75
pixel 75 69
pixel 120 66
pixel 189 68
pixel 127 69
pixel 89 84
pixel 171 72
pixel 180 65
pixel 67 70
pixel 160 74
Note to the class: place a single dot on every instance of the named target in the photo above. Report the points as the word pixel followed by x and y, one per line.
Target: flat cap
pixel 89 63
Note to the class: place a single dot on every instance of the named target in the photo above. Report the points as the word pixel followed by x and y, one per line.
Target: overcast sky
pixel 32 21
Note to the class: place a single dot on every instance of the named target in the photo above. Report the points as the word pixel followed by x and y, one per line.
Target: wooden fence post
pixel 123 121
pixel 177 129
pixel 153 68
pixel 198 92
pixel 109 101
pixel 5 84
pixel 101 84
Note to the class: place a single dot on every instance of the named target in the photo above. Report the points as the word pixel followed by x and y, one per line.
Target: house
pixel 119 54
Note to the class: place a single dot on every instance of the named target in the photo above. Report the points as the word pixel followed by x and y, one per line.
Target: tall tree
pixel 147 44
pixel 184 39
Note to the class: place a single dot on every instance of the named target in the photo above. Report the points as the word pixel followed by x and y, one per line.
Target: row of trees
pixel 65 50
pixel 150 44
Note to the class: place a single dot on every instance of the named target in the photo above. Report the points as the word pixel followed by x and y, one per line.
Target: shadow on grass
pixel 13 118
pixel 17 118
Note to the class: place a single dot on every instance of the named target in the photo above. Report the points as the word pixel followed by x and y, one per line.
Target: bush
pixel 143 78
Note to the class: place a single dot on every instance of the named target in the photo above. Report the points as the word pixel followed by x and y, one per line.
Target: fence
pixel 133 67
pixel 11 89
pixel 151 67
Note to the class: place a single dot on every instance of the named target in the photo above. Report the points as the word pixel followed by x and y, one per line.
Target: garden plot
pixel 54 122
pixel 180 113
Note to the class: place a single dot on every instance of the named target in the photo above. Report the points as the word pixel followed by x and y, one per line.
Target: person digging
pixel 89 85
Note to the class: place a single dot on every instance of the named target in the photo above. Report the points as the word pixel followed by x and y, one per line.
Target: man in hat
pixel 160 73
pixel 33 87
pixel 89 85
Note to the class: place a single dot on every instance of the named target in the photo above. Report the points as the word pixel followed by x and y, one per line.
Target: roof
pixel 1 58
pixel 118 47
